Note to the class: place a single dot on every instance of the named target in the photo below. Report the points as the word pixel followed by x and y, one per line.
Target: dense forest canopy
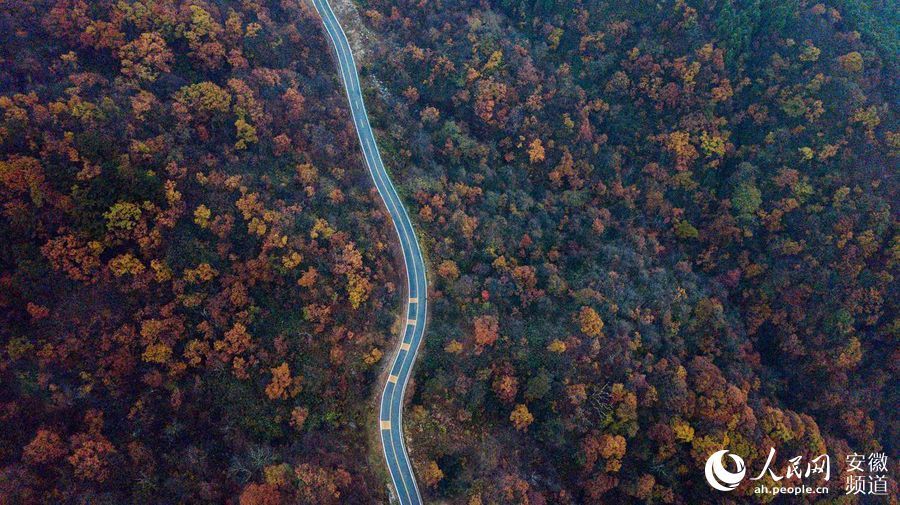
pixel 658 229
pixel 196 278
pixel 654 230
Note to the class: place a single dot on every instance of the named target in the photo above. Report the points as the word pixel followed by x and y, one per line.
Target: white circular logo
pixel 720 478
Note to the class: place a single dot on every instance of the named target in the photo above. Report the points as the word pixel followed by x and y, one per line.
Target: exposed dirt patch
pixel 361 39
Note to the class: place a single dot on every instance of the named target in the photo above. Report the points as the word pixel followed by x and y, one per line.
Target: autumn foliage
pixel 654 230
pixel 658 229
pixel 194 284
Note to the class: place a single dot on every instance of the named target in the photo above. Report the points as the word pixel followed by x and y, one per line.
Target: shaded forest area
pixel 196 278
pixel 657 230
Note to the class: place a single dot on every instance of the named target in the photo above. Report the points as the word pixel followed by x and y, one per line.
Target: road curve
pixel 390 416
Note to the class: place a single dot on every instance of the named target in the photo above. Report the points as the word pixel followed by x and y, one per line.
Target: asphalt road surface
pixel 390 422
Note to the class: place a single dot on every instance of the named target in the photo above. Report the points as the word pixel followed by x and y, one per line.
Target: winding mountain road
pixel 390 416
